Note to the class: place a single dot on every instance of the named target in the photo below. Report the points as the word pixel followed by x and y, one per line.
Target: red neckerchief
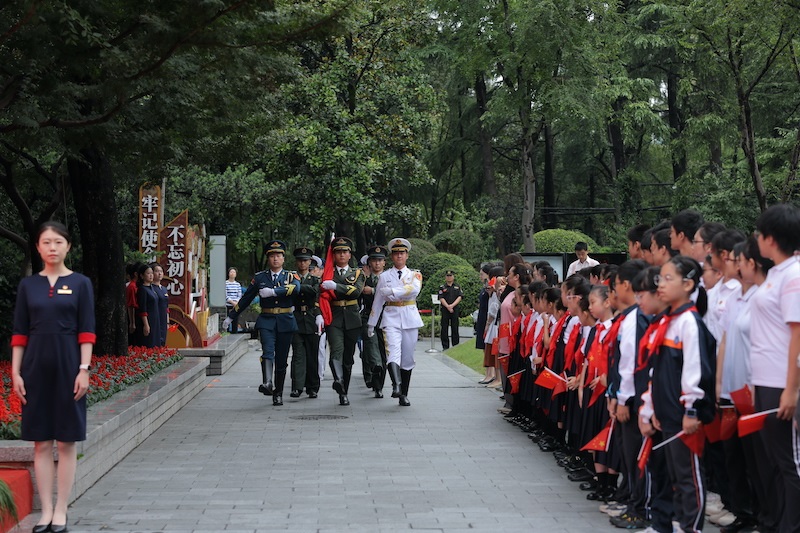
pixel 645 345
pixel 597 357
pixel 527 339
pixel 554 336
pixel 572 346
pixel 538 342
pixel 653 347
pixel 512 341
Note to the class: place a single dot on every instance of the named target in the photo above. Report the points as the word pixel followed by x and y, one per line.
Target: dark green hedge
pixel 463 243
pixel 466 277
pixel 554 241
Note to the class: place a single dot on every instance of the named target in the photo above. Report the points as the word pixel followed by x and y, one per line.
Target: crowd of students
pixel 644 379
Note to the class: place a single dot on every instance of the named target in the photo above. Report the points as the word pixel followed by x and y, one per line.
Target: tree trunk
pixel 549 177
pixel 749 148
pixel 487 160
pixel 676 127
pixel 93 195
pixel 528 193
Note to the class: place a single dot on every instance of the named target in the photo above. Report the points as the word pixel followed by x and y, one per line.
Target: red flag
pixel 714 427
pixel 600 441
pixel 560 387
pixel 696 441
pixel 727 427
pixel 549 379
pixel 598 391
pixel 503 360
pixel 743 400
pixel 326 295
pixel 754 422
pixel 514 379
pixel 644 455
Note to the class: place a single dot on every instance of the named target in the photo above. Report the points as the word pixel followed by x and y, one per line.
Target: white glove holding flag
pixel 320 324
pixel 266 292
pixel 329 284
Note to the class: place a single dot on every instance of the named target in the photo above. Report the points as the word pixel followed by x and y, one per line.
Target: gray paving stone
pixel 230 461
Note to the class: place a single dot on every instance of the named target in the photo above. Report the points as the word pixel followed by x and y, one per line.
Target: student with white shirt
pixel 775 347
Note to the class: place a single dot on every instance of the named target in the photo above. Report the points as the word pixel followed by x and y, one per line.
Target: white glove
pixel 266 292
pixel 386 292
pixel 227 323
pixel 370 331
pixel 320 324
pixel 329 284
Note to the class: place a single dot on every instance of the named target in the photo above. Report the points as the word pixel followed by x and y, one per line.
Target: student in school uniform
pixel 681 388
pixel 722 259
pixel 634 236
pixel 701 243
pixel 683 228
pixel 660 247
pixel 775 348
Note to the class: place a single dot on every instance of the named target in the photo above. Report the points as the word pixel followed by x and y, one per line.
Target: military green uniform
pixel 305 343
pixel 345 326
pixel 373 353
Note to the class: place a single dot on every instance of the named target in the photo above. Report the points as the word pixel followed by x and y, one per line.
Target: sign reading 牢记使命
pixel 151 216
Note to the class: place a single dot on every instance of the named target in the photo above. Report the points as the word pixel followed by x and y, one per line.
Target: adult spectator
pixel 450 296
pixel 233 293
pixel 583 261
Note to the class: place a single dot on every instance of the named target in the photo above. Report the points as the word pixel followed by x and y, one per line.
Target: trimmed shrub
pixel 420 249
pixel 461 242
pixel 555 241
pixel 438 261
pixel 466 277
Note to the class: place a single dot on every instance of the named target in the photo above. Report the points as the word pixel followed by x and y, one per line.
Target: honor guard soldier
pixel 345 328
pixel 276 288
pixel 305 343
pixel 373 355
pixel 450 296
pixel 395 306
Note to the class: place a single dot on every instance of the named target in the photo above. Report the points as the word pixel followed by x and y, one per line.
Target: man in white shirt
pixel 584 261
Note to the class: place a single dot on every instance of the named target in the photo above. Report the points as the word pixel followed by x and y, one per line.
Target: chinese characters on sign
pixel 150 219
pixel 174 260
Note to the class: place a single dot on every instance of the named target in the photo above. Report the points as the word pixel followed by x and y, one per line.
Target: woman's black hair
pixel 523 271
pixel 749 249
pixel 496 271
pixel 536 287
pixel 553 296
pixel 57 227
pixel 142 269
pixel 645 281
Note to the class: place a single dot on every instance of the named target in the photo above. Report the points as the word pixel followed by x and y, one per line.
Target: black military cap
pixel 303 253
pixel 378 252
pixel 449 273
pixel 275 247
pixel 342 243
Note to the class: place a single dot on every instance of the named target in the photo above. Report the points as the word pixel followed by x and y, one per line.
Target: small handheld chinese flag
pixel 514 379
pixel 600 441
pixel 743 400
pixel 549 379
pixel 644 455
pixel 696 441
pixel 560 387
pixel 598 391
pixel 754 422
pixel 713 428
pixel 503 360
pixel 727 427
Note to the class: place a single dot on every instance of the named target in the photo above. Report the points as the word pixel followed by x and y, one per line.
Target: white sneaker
pixel 714 507
pixel 616 511
pixel 649 530
pixel 712 497
pixel 725 518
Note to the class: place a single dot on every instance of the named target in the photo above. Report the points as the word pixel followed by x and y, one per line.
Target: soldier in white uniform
pixel 396 298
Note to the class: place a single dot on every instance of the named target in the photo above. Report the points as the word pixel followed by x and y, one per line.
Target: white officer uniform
pixel 398 289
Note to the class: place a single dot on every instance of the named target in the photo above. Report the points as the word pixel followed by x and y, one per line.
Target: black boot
pixel 338 376
pixel 394 374
pixel 377 380
pixel 277 395
pixel 405 377
pixel 266 388
pixel 348 372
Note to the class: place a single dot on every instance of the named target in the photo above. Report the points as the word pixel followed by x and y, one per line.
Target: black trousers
pixel 660 505
pixel 780 466
pixel 449 321
pixel 740 473
pixel 687 475
pixel 631 444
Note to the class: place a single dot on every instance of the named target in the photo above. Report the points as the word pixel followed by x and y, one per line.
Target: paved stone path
pixel 230 461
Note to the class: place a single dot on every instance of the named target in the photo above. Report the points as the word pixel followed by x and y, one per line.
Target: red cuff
pixel 84 338
pixel 19 340
pixel 142 314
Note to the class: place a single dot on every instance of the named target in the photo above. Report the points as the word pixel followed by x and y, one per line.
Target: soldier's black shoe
pixel 404 401
pixel 266 388
pixel 277 400
pixel 378 394
pixel 338 386
pixel 312 394
pixel 377 378
pixel 295 393
pixel 343 400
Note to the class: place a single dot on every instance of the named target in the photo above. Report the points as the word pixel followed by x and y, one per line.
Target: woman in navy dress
pixel 163 303
pixel 53 336
pixel 147 323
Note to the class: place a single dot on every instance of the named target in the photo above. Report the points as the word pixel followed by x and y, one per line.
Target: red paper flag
pixel 560 387
pixel 743 400
pixel 548 379
pixel 754 422
pixel 600 441
pixel 644 455
pixel 503 360
pixel 714 427
pixel 598 391
pixel 728 425
pixel 514 379
pixel 696 441
pixel 326 295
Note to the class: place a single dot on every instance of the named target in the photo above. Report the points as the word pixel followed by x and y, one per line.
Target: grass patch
pixel 466 354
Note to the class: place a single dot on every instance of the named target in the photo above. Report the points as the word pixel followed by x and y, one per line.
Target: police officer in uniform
pixel 395 306
pixel 373 354
pixel 345 328
pixel 276 325
pixel 450 296
pixel 305 343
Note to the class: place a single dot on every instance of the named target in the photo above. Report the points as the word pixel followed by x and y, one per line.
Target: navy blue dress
pixel 163 307
pixel 51 322
pixel 148 307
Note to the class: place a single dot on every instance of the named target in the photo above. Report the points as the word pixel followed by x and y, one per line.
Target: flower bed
pixel 110 374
